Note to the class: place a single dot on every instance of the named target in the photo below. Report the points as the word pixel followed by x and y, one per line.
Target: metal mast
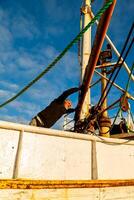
pixel 98 42
pixel 86 50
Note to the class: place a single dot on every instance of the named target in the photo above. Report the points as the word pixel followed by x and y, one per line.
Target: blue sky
pixel 32 33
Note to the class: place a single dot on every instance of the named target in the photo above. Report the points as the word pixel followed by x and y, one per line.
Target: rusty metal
pixel 105 122
pixel 98 42
pixel 50 184
pixel 111 106
pixel 108 64
pixel 117 86
pixel 124 103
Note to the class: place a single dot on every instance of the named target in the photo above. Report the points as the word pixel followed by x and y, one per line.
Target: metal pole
pixel 104 121
pixel 98 42
pixel 115 49
pixel 117 86
pixel 86 50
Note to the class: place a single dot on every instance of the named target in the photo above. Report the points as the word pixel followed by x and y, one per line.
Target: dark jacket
pixel 50 115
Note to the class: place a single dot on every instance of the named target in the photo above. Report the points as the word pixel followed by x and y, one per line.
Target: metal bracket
pixel 85 9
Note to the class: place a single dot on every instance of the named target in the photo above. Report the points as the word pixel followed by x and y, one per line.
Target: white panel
pixel 50 194
pixel 8 147
pixel 117 193
pixel 51 157
pixel 115 161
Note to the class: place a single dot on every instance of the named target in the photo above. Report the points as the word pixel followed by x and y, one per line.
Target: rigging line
pixel 112 117
pixel 114 107
pixel 118 69
pixel 114 84
pixel 110 106
pixel 132 116
pixel 98 114
pixel 114 48
pixel 56 60
pixel 112 143
pixel 132 68
pixel 68 122
pixel 126 91
pixel 95 83
pixel 124 47
pixel 129 79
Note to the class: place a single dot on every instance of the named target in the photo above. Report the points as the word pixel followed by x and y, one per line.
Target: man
pixel 50 115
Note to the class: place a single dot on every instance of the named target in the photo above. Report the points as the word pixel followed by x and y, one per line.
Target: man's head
pixel 67 104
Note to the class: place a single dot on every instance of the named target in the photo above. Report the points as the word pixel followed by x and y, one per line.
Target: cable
pixel 132 117
pixel 129 79
pixel 126 91
pixel 118 71
pixel 114 84
pixel 95 83
pixel 124 47
pixel 56 60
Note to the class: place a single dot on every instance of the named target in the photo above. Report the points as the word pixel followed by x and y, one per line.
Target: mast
pixel 98 42
pixel 86 50
pixel 105 122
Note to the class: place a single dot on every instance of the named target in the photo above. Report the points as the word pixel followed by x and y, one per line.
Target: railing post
pixel 18 155
pixel 94 168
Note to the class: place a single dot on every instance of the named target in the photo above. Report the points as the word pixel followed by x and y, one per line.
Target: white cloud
pixel 55 10
pixel 24 107
pixel 24 27
pixel 9 85
pixel 50 52
pixel 26 61
pixel 5 94
pixel 54 31
pixel 6 38
pixel 2 68
pixel 13 118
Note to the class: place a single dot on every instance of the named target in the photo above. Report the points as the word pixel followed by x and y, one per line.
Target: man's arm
pixel 68 92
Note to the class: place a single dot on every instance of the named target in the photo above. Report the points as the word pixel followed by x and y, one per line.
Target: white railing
pixel 40 153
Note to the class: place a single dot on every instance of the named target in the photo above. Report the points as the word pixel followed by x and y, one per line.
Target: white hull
pixel 58 155
pixel 65 190
pixel 44 154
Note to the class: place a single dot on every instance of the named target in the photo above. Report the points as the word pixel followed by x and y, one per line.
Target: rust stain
pixel 47 184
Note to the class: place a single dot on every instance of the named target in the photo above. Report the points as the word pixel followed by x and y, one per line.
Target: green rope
pixel 129 79
pixel 53 63
pixel 132 116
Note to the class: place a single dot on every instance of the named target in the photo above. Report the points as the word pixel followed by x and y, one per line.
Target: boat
pixel 43 163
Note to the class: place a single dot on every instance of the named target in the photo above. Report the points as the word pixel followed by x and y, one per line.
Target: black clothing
pixel 47 117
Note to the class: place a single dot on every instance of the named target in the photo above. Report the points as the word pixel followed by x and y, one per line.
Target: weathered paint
pixel 58 155
pixel 111 193
pixel 62 184
pixel 66 190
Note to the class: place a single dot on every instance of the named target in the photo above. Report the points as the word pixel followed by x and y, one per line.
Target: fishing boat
pixel 88 161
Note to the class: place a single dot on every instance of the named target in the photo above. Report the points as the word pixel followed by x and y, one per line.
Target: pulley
pixel 124 103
